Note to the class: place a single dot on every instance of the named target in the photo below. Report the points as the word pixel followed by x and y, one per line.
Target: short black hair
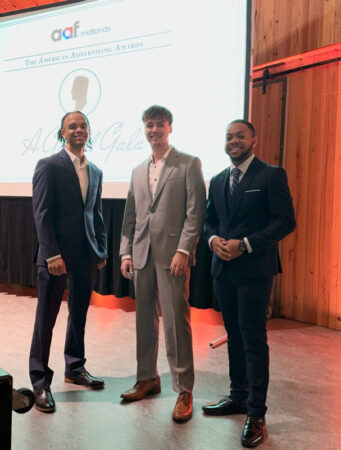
pixel 245 122
pixel 59 134
pixel 155 111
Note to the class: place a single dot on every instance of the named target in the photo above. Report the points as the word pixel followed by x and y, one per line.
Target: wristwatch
pixel 242 246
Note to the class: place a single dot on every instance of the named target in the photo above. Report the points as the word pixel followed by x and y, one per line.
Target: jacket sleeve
pixel 281 213
pixel 195 206
pixel 43 208
pixel 129 221
pixel 211 225
pixel 100 230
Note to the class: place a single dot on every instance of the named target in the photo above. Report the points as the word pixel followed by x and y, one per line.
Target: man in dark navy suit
pixel 249 211
pixel 72 247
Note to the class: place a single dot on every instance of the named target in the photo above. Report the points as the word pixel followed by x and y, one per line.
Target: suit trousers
pixel 243 305
pixel 154 287
pixel 80 281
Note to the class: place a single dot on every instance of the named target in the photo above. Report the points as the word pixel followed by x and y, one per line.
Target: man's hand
pixel 232 246
pixel 218 245
pixel 179 264
pixel 226 250
pixel 127 268
pixel 101 264
pixel 57 267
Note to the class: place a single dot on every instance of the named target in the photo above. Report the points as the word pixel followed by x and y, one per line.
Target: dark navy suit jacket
pixel 260 209
pixel 65 225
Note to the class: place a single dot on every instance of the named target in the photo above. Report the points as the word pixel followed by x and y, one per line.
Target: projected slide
pixel 111 60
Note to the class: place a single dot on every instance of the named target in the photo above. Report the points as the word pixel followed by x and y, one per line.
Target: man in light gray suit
pixel 162 222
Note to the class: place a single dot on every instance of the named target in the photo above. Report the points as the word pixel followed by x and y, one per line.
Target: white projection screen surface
pixel 112 60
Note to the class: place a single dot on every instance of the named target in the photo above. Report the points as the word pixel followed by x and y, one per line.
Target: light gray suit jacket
pixel 173 219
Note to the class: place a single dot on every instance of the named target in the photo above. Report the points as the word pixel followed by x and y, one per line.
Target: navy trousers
pixel 243 305
pixel 80 281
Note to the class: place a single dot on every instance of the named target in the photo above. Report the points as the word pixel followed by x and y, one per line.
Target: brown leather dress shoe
pixel 183 409
pixel 142 389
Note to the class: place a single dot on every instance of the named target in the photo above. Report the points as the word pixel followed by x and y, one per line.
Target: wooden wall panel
pixel 266 117
pixel 310 287
pixel 311 256
pixel 286 28
pixel 335 289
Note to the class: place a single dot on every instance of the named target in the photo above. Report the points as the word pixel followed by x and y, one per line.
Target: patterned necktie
pixel 235 179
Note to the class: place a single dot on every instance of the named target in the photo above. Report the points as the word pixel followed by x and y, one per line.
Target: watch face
pixel 242 246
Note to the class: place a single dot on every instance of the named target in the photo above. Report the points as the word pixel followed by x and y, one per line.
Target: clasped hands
pixel 226 249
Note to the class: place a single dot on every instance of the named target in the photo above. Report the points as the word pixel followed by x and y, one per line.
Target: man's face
pixel 157 131
pixel 75 130
pixel 239 142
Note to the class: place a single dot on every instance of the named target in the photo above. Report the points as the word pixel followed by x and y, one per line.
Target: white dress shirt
pixel 81 168
pixel 242 167
pixel 155 170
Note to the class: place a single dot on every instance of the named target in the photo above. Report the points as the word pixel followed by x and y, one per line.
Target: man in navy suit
pixel 249 211
pixel 72 247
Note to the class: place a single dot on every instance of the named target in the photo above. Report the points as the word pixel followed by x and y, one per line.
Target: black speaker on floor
pixel 6 383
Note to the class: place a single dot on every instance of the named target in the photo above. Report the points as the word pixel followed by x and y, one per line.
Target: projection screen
pixel 112 60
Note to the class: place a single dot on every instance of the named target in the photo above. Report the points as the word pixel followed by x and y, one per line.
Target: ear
pixel 254 141
pixel 171 129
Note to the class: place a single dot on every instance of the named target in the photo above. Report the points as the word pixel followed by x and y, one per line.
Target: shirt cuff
pixel 248 245
pixel 210 240
pixel 126 256
pixel 181 250
pixel 53 258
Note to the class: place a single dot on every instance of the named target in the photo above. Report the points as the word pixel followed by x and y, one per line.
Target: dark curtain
pixel 18 245
pixel 18 241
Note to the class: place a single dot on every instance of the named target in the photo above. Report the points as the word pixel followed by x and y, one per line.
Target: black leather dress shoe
pixel 224 407
pixel 253 432
pixel 44 401
pixel 84 379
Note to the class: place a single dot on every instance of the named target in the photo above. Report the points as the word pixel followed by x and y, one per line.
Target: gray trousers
pixel 155 286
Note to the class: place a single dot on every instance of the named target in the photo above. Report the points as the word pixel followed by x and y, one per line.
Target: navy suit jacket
pixel 260 209
pixel 65 225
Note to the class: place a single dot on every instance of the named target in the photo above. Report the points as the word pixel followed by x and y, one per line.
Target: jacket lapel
pixel 226 193
pixel 144 177
pixel 91 174
pixel 166 171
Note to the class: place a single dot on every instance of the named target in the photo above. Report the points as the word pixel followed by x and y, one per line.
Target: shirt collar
pixel 244 165
pixel 163 159
pixel 75 158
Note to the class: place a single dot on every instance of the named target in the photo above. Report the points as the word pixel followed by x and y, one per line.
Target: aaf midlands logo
pixel 73 32
pixel 66 33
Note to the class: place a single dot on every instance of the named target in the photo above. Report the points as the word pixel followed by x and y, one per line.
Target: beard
pixel 243 155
